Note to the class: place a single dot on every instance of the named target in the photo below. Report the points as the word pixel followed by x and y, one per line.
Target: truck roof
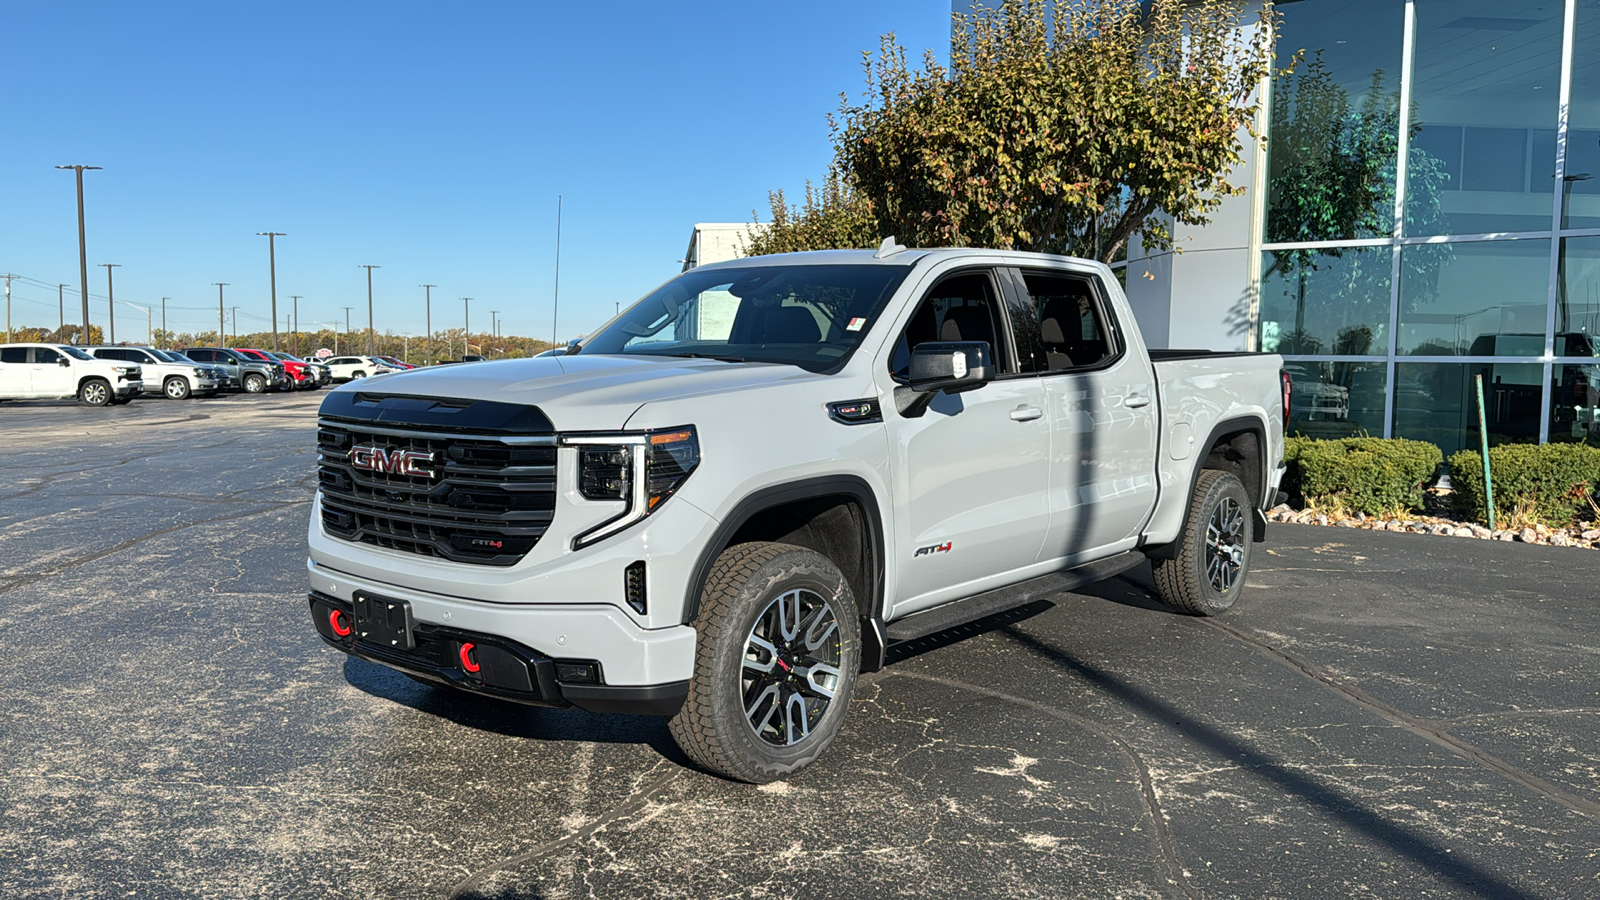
pixel 907 257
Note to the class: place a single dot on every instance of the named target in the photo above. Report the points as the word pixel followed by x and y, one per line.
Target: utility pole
pixel 61 310
pixel 111 302
pixel 347 324
pixel 296 299
pixel 235 322
pixel 427 306
pixel 494 322
pixel 272 275
pixel 164 331
pixel 555 307
pixel 8 307
pixel 372 335
pixel 222 333
pixel 83 252
pixel 466 325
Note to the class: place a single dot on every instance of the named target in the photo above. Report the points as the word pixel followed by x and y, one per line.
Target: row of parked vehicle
pixel 108 375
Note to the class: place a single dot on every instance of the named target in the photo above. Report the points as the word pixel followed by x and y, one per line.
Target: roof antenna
pixel 888 248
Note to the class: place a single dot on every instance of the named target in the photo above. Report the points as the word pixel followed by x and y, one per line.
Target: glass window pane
pixel 1483 298
pixel 1437 402
pixel 1578 298
pixel 1486 74
pixel 1582 187
pixel 1326 301
pixel 1333 138
pixel 1575 404
pixel 1336 399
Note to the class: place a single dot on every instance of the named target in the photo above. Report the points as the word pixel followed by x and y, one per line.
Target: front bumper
pixel 127 388
pixel 502 667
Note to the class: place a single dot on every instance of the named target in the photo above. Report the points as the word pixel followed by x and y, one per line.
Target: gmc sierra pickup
pixel 740 492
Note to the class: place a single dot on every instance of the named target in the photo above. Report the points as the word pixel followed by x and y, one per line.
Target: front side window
pixel 74 352
pixel 45 355
pixel 809 316
pixel 962 307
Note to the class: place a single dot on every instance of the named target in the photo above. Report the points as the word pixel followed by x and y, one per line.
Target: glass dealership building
pixel 1426 209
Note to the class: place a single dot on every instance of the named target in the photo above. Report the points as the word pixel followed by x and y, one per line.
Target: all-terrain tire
pixel 755 592
pixel 1207 574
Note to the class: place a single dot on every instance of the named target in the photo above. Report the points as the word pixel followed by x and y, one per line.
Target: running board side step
pixel 960 612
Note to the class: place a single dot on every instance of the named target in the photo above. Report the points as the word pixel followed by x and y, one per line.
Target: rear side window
pixel 13 354
pixel 1072 323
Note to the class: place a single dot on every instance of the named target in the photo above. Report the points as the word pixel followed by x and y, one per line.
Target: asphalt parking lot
pixel 1387 715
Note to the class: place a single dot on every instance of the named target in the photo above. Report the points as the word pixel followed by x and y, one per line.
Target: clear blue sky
pixel 431 139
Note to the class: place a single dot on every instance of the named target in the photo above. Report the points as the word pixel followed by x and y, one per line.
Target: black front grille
pixel 469 498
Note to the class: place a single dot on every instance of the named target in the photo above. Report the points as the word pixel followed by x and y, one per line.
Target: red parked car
pixel 300 376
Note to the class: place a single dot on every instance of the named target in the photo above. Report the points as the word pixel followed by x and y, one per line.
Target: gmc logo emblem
pixel 392 462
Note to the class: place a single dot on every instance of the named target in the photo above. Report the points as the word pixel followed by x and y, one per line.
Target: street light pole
pixel 222 332
pixel 296 299
pixel 272 275
pixel 372 334
pixel 235 322
pixel 494 322
pixel 347 324
pixel 111 302
pixel 427 306
pixel 466 326
pixel 83 252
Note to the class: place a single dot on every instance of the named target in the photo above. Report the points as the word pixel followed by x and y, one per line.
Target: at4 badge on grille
pixel 392 461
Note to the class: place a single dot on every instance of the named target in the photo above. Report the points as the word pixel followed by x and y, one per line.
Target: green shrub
pixel 1549 483
pixel 1372 475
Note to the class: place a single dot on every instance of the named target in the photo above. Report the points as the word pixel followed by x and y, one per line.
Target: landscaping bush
pixel 1376 476
pixel 1547 483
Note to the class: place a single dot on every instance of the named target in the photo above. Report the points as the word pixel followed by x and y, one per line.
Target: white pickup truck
pixel 739 493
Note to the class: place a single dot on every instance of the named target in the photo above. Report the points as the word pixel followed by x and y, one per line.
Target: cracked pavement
pixel 1384 715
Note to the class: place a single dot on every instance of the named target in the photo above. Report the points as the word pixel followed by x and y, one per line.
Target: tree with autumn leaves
pixel 1057 127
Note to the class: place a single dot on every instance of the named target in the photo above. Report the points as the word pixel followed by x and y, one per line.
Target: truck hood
pixel 583 393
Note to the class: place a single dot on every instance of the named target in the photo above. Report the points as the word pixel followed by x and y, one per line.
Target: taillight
pixel 1288 389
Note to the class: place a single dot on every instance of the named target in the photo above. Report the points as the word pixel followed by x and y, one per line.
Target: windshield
pixel 73 352
pixel 808 316
pixel 168 356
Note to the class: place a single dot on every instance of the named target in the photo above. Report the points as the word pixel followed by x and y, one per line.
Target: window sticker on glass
pixel 855 324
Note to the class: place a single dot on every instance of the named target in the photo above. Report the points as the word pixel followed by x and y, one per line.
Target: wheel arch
pixel 1237 446
pixel 835 515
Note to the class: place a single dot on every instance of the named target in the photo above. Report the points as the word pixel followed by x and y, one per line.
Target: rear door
pixel 1100 391
pixel 16 372
pixel 968 507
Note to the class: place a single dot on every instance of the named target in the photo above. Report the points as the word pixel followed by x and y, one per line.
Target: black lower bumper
pixel 503 669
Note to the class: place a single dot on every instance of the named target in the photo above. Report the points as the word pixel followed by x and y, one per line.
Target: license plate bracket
pixel 384 621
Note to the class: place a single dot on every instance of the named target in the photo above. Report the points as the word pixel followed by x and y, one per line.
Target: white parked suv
pixel 164 372
pixel 62 372
pixel 347 368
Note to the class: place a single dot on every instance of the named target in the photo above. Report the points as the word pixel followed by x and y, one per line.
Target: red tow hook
pixel 469 661
pixel 336 621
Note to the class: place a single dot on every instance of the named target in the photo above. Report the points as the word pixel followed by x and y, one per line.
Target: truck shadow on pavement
pixel 503 717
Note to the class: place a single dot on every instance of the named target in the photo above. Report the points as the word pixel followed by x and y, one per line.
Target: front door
pixel 50 377
pixel 969 472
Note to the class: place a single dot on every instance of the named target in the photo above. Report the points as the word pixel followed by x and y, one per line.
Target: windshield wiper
pixel 716 356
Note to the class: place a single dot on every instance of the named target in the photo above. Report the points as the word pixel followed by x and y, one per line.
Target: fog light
pixel 577 672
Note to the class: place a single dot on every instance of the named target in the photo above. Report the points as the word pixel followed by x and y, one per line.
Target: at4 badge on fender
pixel 370 458
pixel 932 548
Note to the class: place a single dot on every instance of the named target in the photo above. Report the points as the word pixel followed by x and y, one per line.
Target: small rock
pixel 1464 531
pixel 1442 529
pixel 1528 536
pixel 1560 539
pixel 1322 519
pixel 1592 534
pixel 1481 531
pixel 1397 526
pixel 1280 509
pixel 1505 536
pixel 1348 523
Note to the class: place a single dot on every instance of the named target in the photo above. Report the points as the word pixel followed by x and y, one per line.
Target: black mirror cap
pixel 951 366
pixel 63 362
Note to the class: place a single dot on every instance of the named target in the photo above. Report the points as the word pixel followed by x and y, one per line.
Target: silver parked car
pixel 174 378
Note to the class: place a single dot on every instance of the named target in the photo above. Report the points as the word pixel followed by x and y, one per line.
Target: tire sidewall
pixel 95 392
pixel 1223 487
pixel 255 384
pixel 176 388
pixel 796 568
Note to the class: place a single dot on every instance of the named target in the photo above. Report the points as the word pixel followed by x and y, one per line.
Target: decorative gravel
pixel 1584 535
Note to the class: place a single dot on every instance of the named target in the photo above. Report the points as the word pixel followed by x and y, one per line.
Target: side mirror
pixel 950 366
pixel 63 361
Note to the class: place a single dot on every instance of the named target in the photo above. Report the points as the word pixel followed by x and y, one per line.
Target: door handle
pixel 1026 413
pixel 1136 399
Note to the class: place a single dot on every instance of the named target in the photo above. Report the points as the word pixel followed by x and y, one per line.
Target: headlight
pixel 641 470
pixel 124 370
